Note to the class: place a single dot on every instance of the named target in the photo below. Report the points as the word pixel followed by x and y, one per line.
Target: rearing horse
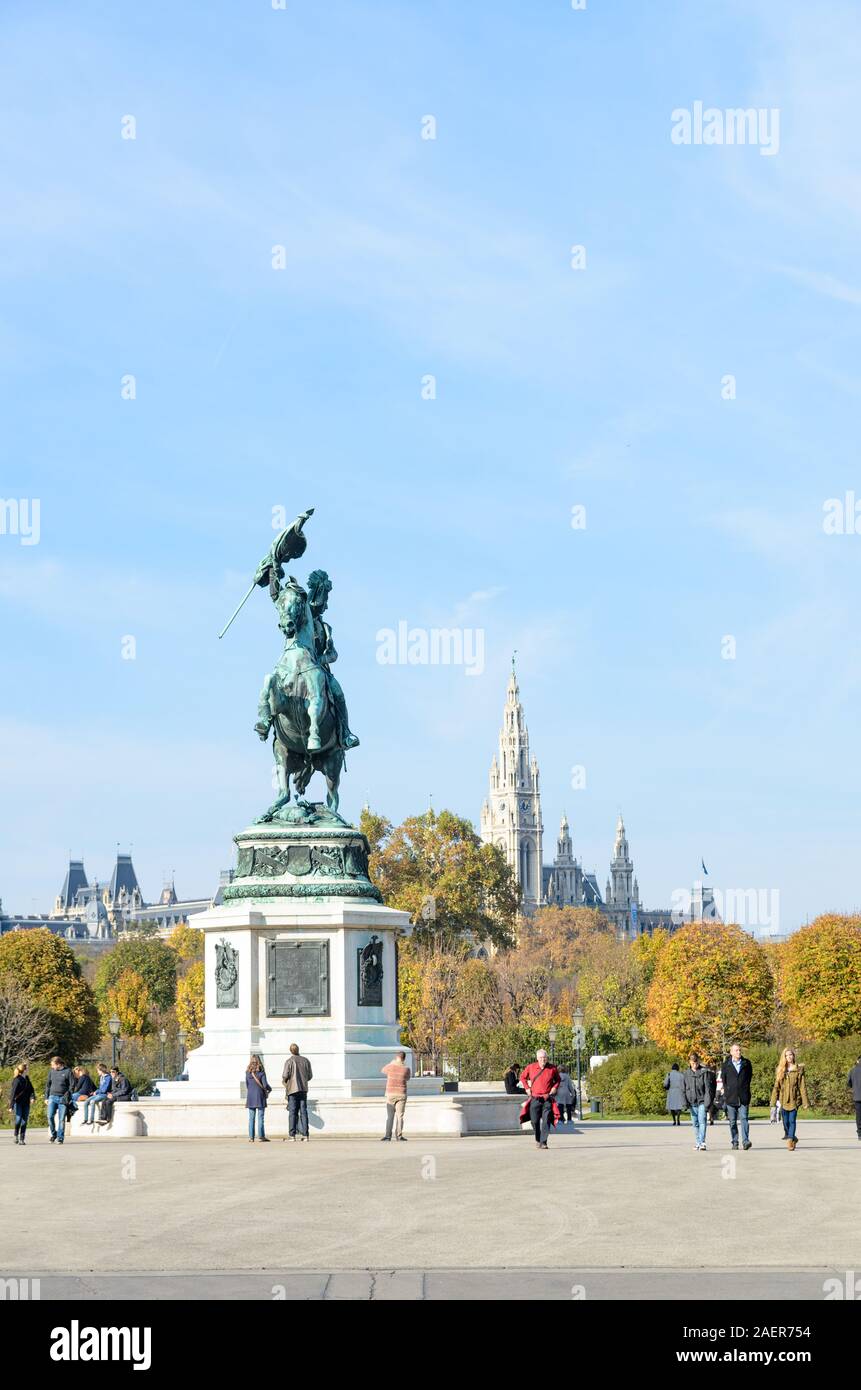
pixel 300 703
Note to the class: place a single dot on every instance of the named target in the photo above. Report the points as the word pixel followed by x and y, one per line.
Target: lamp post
pixel 181 1038
pixel 162 1037
pixel 579 1039
pixel 551 1033
pixel 114 1026
pixel 596 1035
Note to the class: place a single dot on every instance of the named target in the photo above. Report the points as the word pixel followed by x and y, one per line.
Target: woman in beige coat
pixel 789 1093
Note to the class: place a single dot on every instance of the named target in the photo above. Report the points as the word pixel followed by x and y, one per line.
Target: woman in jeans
pixel 21 1096
pixel 790 1092
pixel 257 1089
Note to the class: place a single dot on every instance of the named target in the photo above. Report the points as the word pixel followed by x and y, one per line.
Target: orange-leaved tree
pixel 712 985
pixel 819 970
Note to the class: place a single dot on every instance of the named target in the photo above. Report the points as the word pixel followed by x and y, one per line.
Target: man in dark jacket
pixel 58 1094
pixel 736 1074
pixel 854 1084
pixel 698 1089
pixel 119 1090
pixel 296 1075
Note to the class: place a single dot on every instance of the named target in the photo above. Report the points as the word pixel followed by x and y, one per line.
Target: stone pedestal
pixel 294 955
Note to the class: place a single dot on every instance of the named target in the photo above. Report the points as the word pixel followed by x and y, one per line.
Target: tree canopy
pixel 436 868
pixel 819 968
pixel 45 966
pixel 711 984
pixel 153 960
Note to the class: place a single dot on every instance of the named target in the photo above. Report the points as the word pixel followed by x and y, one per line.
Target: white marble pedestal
pixel 346 1042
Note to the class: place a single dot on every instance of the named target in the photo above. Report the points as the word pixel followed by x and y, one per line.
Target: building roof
pixel 75 879
pixel 123 876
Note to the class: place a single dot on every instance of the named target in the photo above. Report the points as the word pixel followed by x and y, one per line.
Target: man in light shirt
pixel 397 1074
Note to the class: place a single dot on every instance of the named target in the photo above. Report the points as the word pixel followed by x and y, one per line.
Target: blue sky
pixel 258 389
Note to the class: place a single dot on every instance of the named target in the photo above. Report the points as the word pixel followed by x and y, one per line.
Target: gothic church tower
pixel 511 816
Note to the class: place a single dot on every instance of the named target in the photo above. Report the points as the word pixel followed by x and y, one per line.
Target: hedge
pixel 630 1081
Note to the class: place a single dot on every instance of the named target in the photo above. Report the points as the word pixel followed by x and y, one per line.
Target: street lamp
pixel 114 1026
pixel 181 1038
pixel 579 1038
pixel 551 1033
pixel 162 1039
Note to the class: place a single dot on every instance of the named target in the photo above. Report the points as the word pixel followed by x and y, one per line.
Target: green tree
pixel 45 966
pixel 436 868
pixel 155 961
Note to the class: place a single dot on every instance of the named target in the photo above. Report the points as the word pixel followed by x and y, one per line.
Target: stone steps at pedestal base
pixel 453 1114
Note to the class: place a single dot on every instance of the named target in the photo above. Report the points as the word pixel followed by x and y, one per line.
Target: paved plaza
pixel 614 1210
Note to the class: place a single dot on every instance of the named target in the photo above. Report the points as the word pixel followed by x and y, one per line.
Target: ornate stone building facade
pixel 511 818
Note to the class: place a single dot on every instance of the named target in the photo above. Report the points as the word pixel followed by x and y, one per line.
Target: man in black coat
pixel 854 1084
pixel 736 1074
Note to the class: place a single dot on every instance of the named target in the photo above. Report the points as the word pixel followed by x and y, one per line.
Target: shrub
pixel 642 1092
pixel 608 1081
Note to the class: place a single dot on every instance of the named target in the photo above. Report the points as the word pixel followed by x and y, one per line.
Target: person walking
pixel 674 1087
pixel 296 1075
pixel 510 1080
pixel 21 1097
pixel 397 1074
pixel 566 1096
pixel 93 1104
pixel 540 1082
pixel 257 1088
pixel 698 1086
pixel 737 1074
pixel 58 1094
pixel 790 1092
pixel 854 1084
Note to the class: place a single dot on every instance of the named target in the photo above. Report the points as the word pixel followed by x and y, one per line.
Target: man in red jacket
pixel 540 1082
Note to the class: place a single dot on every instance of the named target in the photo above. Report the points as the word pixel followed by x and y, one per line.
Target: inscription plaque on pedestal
pixel 297 978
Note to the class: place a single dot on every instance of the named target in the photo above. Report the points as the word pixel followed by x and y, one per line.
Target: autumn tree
pixel 560 937
pixel 46 968
pixel 129 999
pixel 430 978
pixel 436 868
pixel 155 961
pixel 612 991
pixel 187 942
pixel 819 969
pixel 711 984
pixel 190 1003
pixel 524 985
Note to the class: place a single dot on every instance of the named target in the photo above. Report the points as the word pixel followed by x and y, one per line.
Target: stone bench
pixel 125 1123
